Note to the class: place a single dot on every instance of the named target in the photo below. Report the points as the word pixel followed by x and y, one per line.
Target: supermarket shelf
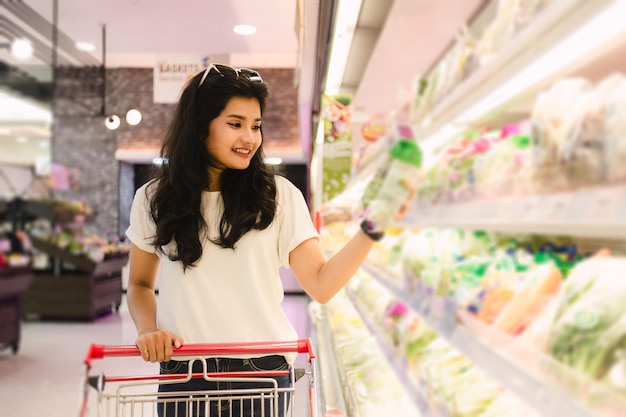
pixel 598 212
pixel 397 362
pixel 332 388
pixel 550 27
pixel 496 358
pixel 351 195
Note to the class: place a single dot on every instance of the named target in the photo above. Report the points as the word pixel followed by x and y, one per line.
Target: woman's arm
pixel 155 345
pixel 322 278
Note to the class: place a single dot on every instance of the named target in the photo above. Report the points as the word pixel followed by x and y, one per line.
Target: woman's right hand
pixel 158 345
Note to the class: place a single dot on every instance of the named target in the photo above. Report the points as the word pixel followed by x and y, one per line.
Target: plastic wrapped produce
pixel 535 335
pixel 583 153
pixel 497 172
pixel 589 328
pixel 499 31
pixel 539 285
pixel 553 115
pixel 501 280
pixel 615 130
pixel 456 386
pixel 509 405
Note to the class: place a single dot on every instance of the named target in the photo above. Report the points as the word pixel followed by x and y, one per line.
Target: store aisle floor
pixel 44 378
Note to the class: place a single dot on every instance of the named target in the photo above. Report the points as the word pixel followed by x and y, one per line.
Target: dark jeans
pixel 222 403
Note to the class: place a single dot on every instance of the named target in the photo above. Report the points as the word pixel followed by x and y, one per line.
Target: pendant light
pixel 113 121
pixel 133 117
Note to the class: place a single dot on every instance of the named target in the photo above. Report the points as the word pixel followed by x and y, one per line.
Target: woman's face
pixel 234 136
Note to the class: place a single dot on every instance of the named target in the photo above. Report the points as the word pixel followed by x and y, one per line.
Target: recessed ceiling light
pixel 86 46
pixel 22 48
pixel 272 160
pixel 244 29
pixel 21 139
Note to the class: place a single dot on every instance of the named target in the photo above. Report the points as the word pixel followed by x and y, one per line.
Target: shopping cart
pixel 138 396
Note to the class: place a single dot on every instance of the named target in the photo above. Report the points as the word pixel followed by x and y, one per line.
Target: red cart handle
pixel 299 346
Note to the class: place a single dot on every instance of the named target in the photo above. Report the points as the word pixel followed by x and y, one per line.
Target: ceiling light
pixel 133 117
pixel 85 46
pixel 272 160
pixel 112 122
pixel 343 32
pixel 244 29
pixel 21 139
pixel 22 48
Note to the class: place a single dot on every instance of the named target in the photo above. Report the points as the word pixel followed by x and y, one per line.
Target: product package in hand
pixel 399 183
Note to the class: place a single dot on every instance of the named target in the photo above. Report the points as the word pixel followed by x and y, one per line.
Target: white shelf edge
pixel 547 399
pixel 597 212
pixel 330 392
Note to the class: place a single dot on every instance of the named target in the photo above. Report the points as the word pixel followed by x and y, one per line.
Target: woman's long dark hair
pixel 249 195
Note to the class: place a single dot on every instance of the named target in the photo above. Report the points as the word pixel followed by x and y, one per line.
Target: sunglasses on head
pixel 250 74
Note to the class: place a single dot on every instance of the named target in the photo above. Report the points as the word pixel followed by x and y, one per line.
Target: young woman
pixel 215 226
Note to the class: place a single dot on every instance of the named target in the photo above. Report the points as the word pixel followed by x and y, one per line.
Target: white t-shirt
pixel 230 295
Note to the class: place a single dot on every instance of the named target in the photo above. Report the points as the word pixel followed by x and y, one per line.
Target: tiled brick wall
pixel 80 139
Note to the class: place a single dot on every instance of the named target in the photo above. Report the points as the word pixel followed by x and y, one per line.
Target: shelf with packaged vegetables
pixel 500 92
pixel 437 377
pixel 543 383
pixel 596 212
pixel 417 389
pixel 355 364
pixel 568 40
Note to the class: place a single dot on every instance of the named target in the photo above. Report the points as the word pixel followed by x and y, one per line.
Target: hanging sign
pixel 171 73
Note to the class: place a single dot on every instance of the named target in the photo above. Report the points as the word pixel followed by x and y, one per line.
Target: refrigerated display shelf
pixel 330 395
pixel 368 383
pixel 334 370
pixel 498 355
pixel 480 99
pixel 598 212
pixel 398 363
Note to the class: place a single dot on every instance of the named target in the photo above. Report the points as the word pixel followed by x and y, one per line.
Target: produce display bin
pixel 77 288
pixel 13 283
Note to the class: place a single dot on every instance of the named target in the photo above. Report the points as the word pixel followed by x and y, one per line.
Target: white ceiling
pixel 413 36
pixel 136 30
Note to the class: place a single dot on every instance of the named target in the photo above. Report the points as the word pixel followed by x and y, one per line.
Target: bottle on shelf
pixel 399 181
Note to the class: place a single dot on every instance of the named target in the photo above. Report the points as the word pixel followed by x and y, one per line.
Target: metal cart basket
pixel 138 395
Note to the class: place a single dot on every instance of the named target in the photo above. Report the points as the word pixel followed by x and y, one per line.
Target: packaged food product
pixel 399 182
pixel 553 115
pixel 539 285
pixel 589 326
pixel 615 126
pixel 583 153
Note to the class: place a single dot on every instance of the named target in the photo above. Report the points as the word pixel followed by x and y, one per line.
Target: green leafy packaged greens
pixel 589 327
